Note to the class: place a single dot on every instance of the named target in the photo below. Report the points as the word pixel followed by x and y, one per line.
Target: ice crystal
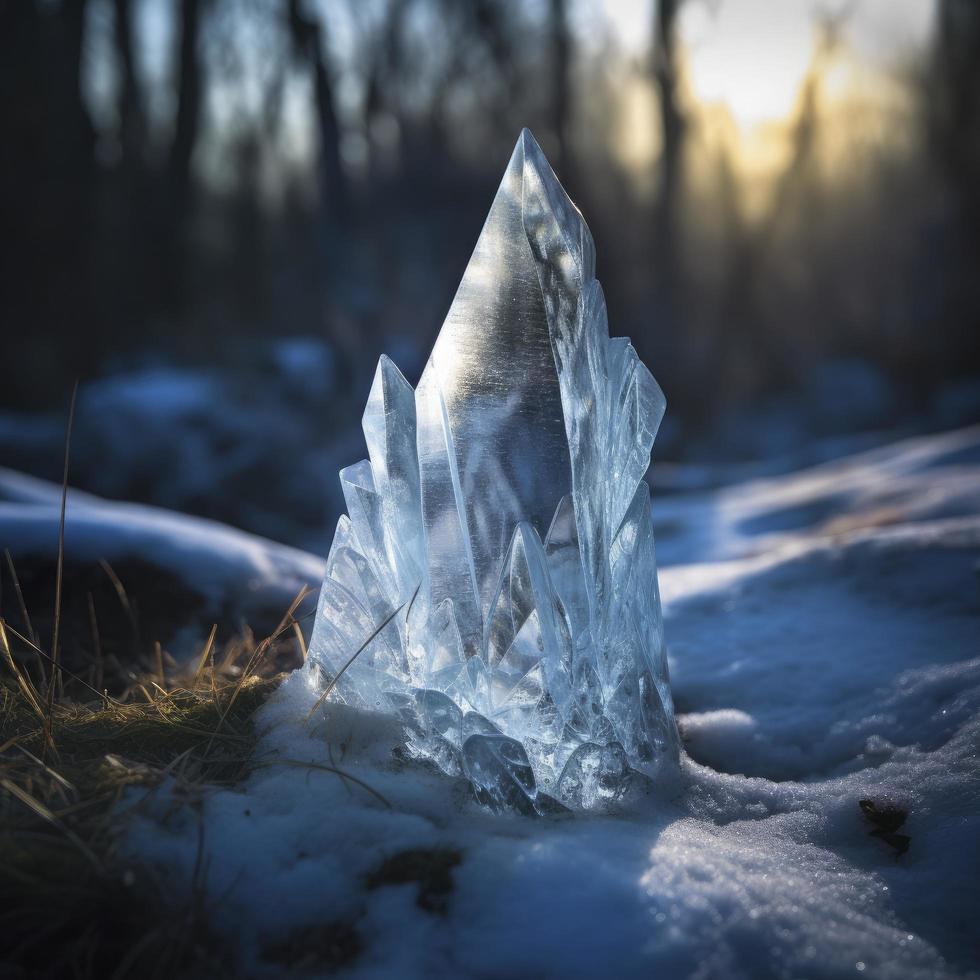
pixel 494 581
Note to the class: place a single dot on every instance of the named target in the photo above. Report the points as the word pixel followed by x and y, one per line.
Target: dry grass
pixel 72 901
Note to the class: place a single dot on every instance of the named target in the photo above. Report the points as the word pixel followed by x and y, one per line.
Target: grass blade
pixel 340 673
pixel 205 655
pixel 253 661
pixel 23 639
pixel 320 767
pixel 60 570
pixel 28 625
pixel 26 687
pixel 45 814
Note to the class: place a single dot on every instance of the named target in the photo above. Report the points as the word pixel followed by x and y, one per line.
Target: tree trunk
pixel 307 36
pixel 560 77
pixel 189 90
pixel 132 124
pixel 672 126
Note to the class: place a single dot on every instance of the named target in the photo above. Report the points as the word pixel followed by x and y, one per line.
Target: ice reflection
pixel 494 370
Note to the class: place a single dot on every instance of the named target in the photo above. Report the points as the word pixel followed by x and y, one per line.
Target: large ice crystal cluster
pixel 494 582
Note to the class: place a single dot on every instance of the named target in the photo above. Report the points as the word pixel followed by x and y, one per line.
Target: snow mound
pixel 920 479
pixel 224 575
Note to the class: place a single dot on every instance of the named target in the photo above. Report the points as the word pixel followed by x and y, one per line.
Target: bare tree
pixel 560 76
pixel 953 117
pixel 956 94
pixel 72 15
pixel 132 122
pixel 747 345
pixel 190 87
pixel 672 126
pixel 491 26
pixel 672 130
pixel 308 45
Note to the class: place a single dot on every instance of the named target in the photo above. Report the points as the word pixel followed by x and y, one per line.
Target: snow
pixel 226 567
pixel 240 445
pixel 824 650
pixel 917 479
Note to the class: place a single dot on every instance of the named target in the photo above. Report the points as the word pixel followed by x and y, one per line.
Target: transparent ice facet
pixel 494 583
pixel 595 775
pixel 500 772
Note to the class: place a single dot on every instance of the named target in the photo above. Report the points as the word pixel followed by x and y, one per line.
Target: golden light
pixel 750 57
pixel 743 67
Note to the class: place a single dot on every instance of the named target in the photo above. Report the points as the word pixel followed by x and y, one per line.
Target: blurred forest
pixel 189 181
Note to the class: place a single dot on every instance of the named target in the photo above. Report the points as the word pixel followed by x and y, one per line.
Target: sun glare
pixel 749 57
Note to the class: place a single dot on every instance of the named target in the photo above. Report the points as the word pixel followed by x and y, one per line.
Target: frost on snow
pixel 497 557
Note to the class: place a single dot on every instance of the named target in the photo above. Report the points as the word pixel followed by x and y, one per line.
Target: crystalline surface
pixel 595 774
pixel 495 580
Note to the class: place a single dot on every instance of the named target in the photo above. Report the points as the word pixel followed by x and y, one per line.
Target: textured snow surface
pixel 824 649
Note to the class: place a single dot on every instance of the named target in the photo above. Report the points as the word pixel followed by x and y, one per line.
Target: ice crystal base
pixel 494 579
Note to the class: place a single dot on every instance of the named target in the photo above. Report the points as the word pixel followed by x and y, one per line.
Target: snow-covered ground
pixel 181 574
pixel 825 650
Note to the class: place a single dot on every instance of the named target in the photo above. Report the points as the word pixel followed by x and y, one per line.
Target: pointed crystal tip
pixel 533 155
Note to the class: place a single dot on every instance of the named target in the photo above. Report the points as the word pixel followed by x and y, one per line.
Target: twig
pixel 296 764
